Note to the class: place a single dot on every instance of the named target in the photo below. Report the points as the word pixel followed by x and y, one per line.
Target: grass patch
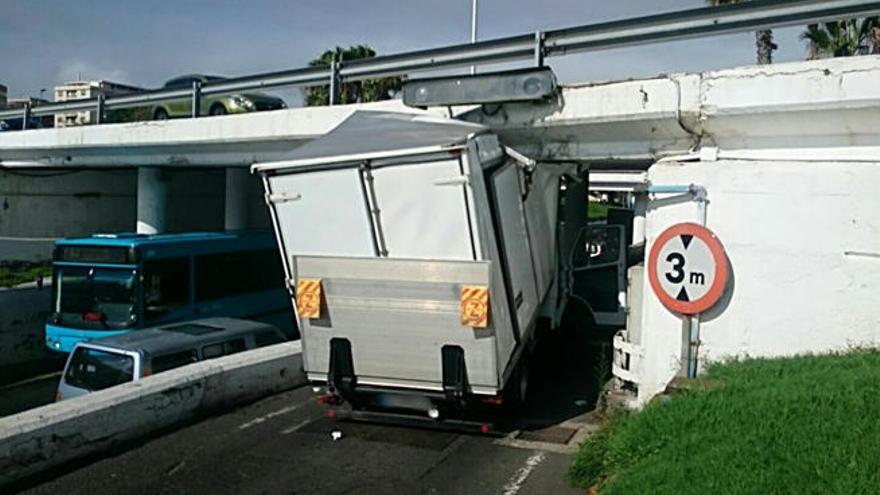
pixel 795 425
pixel 12 274
pixel 597 211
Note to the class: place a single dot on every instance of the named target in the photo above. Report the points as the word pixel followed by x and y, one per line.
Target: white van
pixel 100 364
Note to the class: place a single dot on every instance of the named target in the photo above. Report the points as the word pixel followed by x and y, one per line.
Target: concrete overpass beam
pixel 152 200
pixel 236 214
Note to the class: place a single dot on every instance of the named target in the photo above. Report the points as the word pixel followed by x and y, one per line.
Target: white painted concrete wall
pixel 789 109
pixel 48 436
pixel 803 240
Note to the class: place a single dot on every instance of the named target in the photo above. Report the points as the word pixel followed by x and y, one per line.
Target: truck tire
pixel 518 387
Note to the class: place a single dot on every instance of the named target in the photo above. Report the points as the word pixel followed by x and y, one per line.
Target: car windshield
pixel 94 298
pixel 94 369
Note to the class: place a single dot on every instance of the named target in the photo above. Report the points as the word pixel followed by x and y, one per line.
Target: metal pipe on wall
pixel 699 196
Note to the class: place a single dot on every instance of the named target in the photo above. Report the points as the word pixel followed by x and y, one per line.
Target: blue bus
pixel 110 284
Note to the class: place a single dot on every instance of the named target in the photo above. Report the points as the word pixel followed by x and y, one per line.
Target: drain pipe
pixel 698 194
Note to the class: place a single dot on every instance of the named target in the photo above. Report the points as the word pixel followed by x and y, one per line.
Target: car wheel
pixel 160 114
pixel 218 110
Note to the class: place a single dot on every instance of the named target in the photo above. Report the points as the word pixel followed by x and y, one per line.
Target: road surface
pixel 283 445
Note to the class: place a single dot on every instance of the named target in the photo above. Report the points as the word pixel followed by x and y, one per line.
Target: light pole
pixel 473 29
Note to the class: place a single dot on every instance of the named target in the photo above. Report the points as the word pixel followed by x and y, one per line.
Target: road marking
pixel 54 374
pixel 177 467
pixel 263 419
pixel 513 486
pixel 292 429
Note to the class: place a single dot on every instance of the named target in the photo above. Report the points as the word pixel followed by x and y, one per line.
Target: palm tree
pixel 843 38
pixel 351 92
pixel 763 38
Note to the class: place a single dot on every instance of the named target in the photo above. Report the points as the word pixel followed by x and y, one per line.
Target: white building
pixel 84 90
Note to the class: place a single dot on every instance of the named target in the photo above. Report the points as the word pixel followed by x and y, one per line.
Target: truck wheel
pixel 518 387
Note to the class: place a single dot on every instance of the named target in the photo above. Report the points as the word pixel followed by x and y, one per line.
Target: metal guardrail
pixel 687 24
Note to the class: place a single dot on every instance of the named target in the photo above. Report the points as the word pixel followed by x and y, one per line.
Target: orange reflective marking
pixel 475 306
pixel 308 298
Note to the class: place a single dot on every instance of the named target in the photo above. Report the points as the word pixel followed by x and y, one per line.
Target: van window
pixel 267 337
pixel 93 369
pixel 166 286
pixel 223 348
pixel 230 274
pixel 174 360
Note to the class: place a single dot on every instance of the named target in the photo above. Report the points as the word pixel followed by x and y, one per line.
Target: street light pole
pixel 473 29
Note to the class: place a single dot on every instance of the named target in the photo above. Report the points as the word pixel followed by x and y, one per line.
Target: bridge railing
pixel 535 47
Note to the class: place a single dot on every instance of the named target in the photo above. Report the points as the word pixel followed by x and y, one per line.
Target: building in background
pixel 2 96
pixel 85 90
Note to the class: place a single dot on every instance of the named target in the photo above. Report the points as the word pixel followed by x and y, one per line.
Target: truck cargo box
pixel 399 228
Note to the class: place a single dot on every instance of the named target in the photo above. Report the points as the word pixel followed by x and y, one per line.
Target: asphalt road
pixel 28 394
pixel 283 444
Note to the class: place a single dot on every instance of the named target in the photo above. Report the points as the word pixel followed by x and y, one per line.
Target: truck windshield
pixel 94 298
pixel 93 369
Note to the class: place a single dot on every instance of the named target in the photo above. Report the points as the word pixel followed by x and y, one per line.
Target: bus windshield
pixel 94 298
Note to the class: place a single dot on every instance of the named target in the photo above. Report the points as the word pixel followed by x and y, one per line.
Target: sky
pixel 146 42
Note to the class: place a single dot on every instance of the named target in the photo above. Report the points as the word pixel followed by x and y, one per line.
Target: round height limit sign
pixel 687 268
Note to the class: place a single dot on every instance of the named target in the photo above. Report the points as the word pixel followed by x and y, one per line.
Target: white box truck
pixel 421 254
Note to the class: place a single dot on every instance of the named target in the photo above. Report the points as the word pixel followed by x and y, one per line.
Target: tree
pixel 843 38
pixel 355 91
pixel 763 38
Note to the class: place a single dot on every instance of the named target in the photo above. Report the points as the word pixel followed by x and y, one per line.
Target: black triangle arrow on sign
pixel 686 240
pixel 683 295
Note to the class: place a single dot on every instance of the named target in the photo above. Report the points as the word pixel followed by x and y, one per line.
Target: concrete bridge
pixel 182 174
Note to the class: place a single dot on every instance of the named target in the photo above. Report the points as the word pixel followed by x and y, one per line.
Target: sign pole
pixel 688 270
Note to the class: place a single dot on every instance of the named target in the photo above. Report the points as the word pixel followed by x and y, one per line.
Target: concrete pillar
pixel 152 200
pixel 236 210
pixel 640 206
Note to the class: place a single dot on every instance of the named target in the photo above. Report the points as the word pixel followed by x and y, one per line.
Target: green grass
pixel 597 211
pixel 772 426
pixel 18 273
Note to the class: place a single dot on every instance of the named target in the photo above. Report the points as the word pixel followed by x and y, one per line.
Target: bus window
pixel 94 298
pixel 223 348
pixel 166 286
pixel 231 274
pixel 174 360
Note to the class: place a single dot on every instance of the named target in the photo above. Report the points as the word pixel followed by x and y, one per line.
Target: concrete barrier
pixel 23 312
pixel 46 437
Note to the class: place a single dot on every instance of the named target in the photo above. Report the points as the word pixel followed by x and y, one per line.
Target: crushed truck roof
pixel 367 134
